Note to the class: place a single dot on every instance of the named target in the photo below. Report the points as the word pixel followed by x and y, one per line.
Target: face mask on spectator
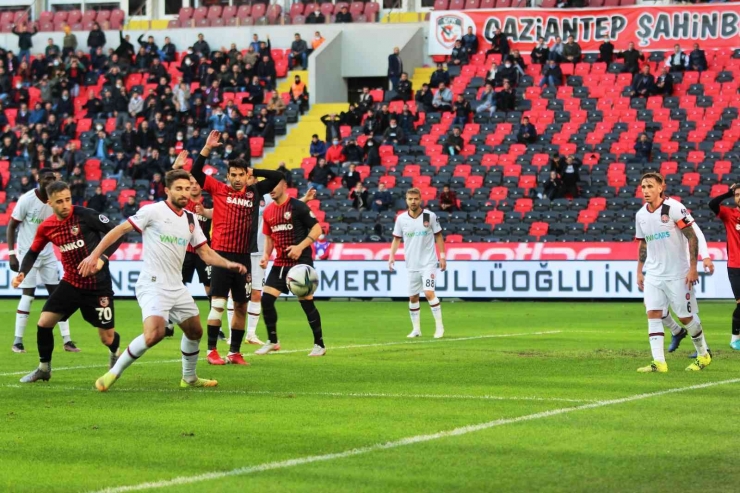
pixel 335 142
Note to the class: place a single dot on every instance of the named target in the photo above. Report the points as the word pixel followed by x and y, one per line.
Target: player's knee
pixel 106 337
pixel 154 337
pixel 256 296
pixel 308 306
pixel 240 308
pixel 414 299
pixel 687 320
pixel 431 297
pixel 217 309
pixel 268 301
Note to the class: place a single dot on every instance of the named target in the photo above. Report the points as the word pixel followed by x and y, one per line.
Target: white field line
pixel 463 430
pixel 329 348
pixel 361 395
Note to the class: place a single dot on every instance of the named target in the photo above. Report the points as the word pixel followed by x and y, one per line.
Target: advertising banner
pixel 650 27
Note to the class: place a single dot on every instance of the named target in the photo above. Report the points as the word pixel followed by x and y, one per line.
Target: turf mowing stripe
pixel 464 430
pixel 380 344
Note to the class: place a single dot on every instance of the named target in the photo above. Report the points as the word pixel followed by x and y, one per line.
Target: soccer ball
pixel 303 280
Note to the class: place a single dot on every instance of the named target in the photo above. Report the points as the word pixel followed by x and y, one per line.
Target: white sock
pixel 253 317
pixel 671 324
pixel 415 316
pixel 229 314
pixel 655 332
pixel 436 307
pixel 134 351
pixel 21 317
pixel 190 352
pixel 697 336
pixel 64 329
pixel 734 338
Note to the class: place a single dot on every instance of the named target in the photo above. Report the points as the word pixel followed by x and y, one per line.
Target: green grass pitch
pixel 554 383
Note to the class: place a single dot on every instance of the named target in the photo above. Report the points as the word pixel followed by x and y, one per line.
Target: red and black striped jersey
pixel 205 223
pixel 288 224
pixel 76 237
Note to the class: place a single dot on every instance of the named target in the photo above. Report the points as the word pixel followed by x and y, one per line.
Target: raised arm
pixel 212 142
pixel 271 180
pixel 714 204
pixel 90 265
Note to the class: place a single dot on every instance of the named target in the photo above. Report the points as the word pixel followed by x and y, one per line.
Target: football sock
pixel 671 324
pixel 314 320
pixel 64 329
pixel 116 343
pixel 415 316
pixel 270 315
pixel 736 324
pixel 213 331
pixel 45 344
pixel 436 307
pixel 237 336
pixel 697 336
pixel 190 352
pixel 655 333
pixel 134 351
pixel 21 317
pixel 229 311
pixel 253 317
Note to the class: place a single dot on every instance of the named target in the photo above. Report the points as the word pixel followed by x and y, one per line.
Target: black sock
pixel 213 331
pixel 270 316
pixel 237 336
pixel 45 343
pixel 314 320
pixel 116 342
pixel 736 321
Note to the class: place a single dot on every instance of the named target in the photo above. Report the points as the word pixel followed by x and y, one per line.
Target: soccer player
pixel 235 217
pixel 420 230
pixel 668 254
pixel 290 229
pixel 30 211
pixel 76 231
pixel 730 216
pixel 167 230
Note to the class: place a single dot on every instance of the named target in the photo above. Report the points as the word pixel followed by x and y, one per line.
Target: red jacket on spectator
pixel 335 154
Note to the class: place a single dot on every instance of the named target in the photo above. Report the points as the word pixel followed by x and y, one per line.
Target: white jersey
pixel 418 239
pixel 166 233
pixel 667 247
pixel 30 211
pixel 266 200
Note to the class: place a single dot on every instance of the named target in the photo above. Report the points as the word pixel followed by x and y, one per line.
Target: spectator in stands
pixel 169 50
pixel 52 50
pixel 454 144
pixel 5 87
pixel 493 77
pixel 458 56
pixel 316 17
pixel 442 100
pixel 98 202
pixel 156 188
pixel 642 84
pixel 149 45
pixel 553 187
pixel 351 177
pixel 677 61
pixel 487 101
pixel 517 61
pixel 37 115
pixel 299 94
pixel 499 44
pixel 335 153
pixel 448 200
pixel 470 42
pixel 393 135
pixel 96 38
pixel 462 110
pixel 276 105
pixel 352 117
pixel 366 99
pixel 320 175
pixel 102 144
pixel 395 67
pixel 552 75
pixel 382 199
pixel 77 190
pixel 317 148
pixel 298 53
pixel 572 51
pixel 287 176
pixel 125 50
pixel 506 99
pixel 359 197
pixel 527 132
pixel 424 99
pixel 404 89
pixel 643 147
pixel 697 59
pixel 73 157
pixel 332 123
pixel 18 96
pixel 407 119
pixel 372 153
pixel 317 41
pixel 201 47
pixel 556 52
pixel 507 71
pixel 25 41
pixel 26 184
pixel 130 207
pixel 343 17
pixel 664 83
pixel 69 42
pixel 439 75
pixel 606 51
pixel 266 72
pixel 541 52
pixel 632 58
pixel 219 121
pixel 255 44
pixel 571 176
pixel 353 154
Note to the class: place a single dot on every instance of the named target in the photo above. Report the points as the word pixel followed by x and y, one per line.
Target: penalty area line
pixel 412 440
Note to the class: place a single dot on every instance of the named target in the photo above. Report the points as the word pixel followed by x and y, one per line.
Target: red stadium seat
pixel 441 4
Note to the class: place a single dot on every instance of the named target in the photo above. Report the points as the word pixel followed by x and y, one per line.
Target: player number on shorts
pixel 688 306
pixel 429 283
pixel 105 314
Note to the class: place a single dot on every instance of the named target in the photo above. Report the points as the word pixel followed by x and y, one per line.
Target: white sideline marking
pixel 330 348
pixel 463 430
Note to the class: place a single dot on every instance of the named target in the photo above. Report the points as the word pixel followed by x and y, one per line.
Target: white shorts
pixel 46 271
pixel 661 294
pixel 258 273
pixel 422 280
pixel 175 305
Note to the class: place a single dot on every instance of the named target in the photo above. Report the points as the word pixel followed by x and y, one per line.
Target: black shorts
pixel 734 275
pixel 96 307
pixel 277 277
pixel 192 264
pixel 225 280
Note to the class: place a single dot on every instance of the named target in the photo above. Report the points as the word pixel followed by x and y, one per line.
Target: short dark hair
pixel 56 187
pixel 237 163
pixel 175 174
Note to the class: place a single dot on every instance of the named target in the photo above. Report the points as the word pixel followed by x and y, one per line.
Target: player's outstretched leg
pixel 314 321
pixel 189 346
pixel 703 358
pixel 678 333
pixel 45 344
pixel 214 328
pixel 656 335
pixel 735 340
pixel 436 307
pixel 271 317
pixel 415 315
pixel 21 320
